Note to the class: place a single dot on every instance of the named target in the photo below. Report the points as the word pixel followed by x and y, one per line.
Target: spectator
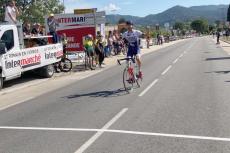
pixel 110 43
pixel 227 34
pixel 106 49
pixel 148 41
pixel 26 28
pixel 89 49
pixel 36 29
pixel 37 32
pixel 161 39
pixel 65 43
pixel 99 50
pixel 158 39
pixel 213 34
pixel 11 13
pixel 42 30
pixel 120 43
pixel 218 37
pixel 115 42
pixel 52 24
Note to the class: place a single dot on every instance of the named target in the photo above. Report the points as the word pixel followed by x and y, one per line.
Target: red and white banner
pixel 76 27
pixel 75 37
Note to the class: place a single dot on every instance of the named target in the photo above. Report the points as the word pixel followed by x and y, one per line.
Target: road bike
pixel 130 74
pixel 65 65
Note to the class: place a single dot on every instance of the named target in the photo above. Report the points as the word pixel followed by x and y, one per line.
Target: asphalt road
pixel 182 107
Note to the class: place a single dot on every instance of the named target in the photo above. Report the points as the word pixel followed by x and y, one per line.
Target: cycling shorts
pixel 133 51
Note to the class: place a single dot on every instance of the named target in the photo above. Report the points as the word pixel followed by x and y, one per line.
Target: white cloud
pixel 111 8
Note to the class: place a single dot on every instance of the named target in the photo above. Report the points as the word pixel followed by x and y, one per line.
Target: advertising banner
pixel 31 58
pixel 77 26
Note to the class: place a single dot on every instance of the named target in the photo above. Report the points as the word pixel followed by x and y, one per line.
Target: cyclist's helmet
pixel 90 36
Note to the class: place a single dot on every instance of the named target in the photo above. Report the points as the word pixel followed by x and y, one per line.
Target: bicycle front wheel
pixel 66 65
pixel 128 80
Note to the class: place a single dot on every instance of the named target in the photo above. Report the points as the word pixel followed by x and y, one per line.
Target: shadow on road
pixel 103 94
pixel 219 72
pixel 26 77
pixel 218 58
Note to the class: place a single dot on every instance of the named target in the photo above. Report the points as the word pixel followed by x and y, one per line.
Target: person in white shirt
pixel 133 38
pixel 11 13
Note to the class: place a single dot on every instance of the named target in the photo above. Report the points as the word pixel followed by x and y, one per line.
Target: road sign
pixel 166 25
pixel 84 11
pixel 101 20
pixel 98 14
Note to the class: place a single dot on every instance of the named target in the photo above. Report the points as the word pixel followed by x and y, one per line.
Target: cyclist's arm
pixel 125 39
pixel 139 33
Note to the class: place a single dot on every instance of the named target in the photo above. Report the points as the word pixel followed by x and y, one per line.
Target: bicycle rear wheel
pixel 128 80
pixel 66 65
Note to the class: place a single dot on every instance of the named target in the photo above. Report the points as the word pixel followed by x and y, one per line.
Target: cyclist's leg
pixel 137 54
pixel 138 59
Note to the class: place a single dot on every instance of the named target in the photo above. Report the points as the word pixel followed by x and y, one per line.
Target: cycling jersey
pixel 133 40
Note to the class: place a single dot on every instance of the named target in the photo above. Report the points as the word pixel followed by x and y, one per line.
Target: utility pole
pixel 228 14
pixel 64 5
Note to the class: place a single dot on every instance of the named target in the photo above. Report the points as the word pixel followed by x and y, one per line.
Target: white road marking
pixel 14 104
pixel 181 55
pixel 176 60
pixel 185 52
pixel 149 87
pixel 88 143
pixel 120 132
pixel 166 70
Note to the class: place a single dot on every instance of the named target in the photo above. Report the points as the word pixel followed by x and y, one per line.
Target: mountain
pixel 177 13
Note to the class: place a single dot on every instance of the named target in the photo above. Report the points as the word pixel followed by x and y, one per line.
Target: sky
pixel 135 7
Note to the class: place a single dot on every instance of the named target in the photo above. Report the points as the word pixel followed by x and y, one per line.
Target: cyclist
pixel 89 48
pixel 133 38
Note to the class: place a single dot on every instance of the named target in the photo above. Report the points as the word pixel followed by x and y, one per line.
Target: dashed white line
pixel 166 70
pixel 88 143
pixel 181 55
pixel 149 87
pixel 194 137
pixel 14 104
pixel 175 61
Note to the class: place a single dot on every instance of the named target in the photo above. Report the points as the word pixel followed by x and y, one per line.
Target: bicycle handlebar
pixel 126 59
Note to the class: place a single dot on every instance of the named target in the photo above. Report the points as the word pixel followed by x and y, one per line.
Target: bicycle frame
pixel 130 73
pixel 131 69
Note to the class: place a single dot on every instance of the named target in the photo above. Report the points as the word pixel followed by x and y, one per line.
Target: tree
pixel 121 20
pixel 200 25
pixel 35 10
pixel 212 28
pixel 228 15
pixel 218 23
pixel 179 26
pixel 2 9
